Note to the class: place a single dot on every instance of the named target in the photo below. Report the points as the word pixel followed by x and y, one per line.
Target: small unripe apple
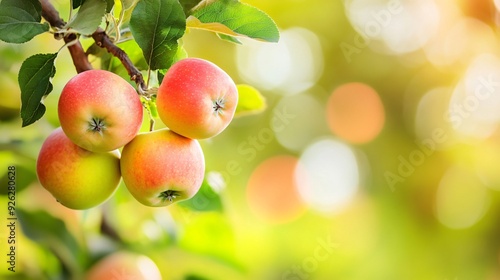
pixel 196 98
pixel 123 266
pixel 162 167
pixel 100 111
pixel 77 178
pixel 10 94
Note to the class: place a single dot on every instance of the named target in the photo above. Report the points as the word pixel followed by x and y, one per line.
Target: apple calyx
pixel 169 195
pixel 218 106
pixel 97 125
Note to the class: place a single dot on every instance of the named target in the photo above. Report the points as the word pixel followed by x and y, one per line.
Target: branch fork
pixel 78 55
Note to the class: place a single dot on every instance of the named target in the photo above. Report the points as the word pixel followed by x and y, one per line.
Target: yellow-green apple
pixel 77 178
pixel 162 167
pixel 99 111
pixel 196 98
pixel 124 265
pixel 10 94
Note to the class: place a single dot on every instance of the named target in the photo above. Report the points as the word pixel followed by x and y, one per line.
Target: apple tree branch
pixel 78 55
pixel 80 60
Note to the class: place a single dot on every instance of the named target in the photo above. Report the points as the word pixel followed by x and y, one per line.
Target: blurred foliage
pixel 383 231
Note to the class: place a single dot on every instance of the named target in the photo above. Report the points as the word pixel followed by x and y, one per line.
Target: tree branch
pixel 80 59
pixel 103 41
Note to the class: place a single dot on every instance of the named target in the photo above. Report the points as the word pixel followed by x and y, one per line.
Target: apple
pixel 100 111
pixel 77 178
pixel 124 265
pixel 196 98
pixel 162 167
pixel 10 94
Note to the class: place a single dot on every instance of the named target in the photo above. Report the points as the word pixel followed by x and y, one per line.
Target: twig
pixel 107 229
pixel 80 60
pixel 102 40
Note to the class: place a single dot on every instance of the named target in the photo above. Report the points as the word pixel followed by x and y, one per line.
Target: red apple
pixel 99 111
pixel 77 178
pixel 123 266
pixel 162 167
pixel 196 98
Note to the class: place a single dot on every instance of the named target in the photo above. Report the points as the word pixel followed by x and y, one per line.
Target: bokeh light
pixel 398 25
pixel 307 124
pixel 272 191
pixel 216 181
pixel 473 108
pixel 148 268
pixel 290 66
pixel 431 124
pixel 355 113
pixel 459 40
pixel 330 177
pixel 461 198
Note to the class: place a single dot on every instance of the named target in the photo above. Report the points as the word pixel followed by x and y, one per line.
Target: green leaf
pixel 250 101
pixel 217 241
pixel 109 5
pixel 229 38
pixel 95 50
pixel 233 18
pixel 25 175
pixel 156 26
pixel 88 17
pixel 181 54
pixel 113 64
pixel 161 74
pixel 195 277
pixel 52 232
pixel 187 5
pixel 206 199
pixel 127 4
pixel 127 7
pixel 20 20
pixel 34 81
pixel 152 108
pixel 77 3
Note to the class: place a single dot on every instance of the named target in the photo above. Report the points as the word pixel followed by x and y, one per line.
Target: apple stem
pixel 151 124
pixel 170 195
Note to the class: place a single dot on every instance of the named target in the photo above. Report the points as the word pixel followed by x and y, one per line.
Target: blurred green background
pixel 377 156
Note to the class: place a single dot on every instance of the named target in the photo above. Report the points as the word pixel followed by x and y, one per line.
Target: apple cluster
pixel 80 163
